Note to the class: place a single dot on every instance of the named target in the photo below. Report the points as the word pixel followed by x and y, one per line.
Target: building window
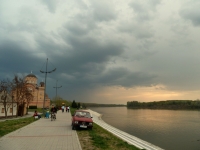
pixel 11 110
pixel 2 110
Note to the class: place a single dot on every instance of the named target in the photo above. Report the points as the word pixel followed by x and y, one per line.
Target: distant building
pixel 11 104
pixel 37 92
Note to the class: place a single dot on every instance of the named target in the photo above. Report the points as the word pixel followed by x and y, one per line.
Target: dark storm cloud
pixel 85 61
pixel 126 78
pixel 16 59
pixel 81 53
pixel 11 53
pixel 101 44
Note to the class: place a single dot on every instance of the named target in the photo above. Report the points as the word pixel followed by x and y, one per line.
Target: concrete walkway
pixel 43 134
pixel 141 144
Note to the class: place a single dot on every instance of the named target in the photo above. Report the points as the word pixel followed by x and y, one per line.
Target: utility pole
pixel 57 88
pixel 45 82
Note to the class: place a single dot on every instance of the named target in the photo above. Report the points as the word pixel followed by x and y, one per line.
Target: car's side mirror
pixel 91 117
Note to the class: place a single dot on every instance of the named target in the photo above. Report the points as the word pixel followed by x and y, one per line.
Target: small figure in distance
pixel 68 108
pixel 63 108
pixel 36 114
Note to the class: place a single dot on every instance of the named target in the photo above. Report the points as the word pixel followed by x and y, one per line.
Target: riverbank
pixel 101 137
pixel 141 144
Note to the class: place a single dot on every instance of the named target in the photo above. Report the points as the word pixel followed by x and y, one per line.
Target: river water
pixel 168 129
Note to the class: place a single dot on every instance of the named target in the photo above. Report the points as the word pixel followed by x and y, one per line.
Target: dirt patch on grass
pixel 85 140
pixel 100 139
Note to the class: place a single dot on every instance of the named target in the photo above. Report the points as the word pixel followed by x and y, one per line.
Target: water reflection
pixel 169 129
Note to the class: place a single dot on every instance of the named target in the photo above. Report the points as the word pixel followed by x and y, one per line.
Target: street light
pixel 45 82
pixel 57 88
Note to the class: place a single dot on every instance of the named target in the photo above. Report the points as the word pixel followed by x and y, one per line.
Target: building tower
pixel 37 92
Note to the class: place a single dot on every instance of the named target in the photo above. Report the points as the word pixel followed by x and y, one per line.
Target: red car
pixel 82 119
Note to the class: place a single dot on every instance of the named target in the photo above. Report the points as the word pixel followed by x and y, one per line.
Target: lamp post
pixel 57 88
pixel 45 82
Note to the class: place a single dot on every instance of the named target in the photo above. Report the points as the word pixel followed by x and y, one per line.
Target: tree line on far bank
pixel 102 105
pixel 168 104
pixel 58 101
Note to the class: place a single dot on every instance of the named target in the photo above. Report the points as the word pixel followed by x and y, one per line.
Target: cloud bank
pixel 104 51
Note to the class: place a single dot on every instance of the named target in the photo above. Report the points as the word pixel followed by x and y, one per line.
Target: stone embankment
pixel 141 144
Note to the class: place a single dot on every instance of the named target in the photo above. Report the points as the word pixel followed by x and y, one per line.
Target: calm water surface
pixel 168 129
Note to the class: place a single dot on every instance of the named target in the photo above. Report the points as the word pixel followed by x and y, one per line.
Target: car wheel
pixel 73 127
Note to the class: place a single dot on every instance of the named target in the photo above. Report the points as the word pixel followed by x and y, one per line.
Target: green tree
pixel 74 105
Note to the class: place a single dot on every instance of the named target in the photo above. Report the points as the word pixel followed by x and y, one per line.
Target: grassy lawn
pixel 100 139
pixel 12 125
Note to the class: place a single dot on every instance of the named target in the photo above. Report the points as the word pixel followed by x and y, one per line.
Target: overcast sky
pixel 104 51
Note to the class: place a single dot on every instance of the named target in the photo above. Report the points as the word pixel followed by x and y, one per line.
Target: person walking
pixel 47 114
pixel 63 108
pixel 68 109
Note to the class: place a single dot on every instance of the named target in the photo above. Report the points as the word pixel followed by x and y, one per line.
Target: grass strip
pixel 12 125
pixel 105 140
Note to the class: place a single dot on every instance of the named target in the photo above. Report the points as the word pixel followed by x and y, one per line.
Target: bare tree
pixel 5 90
pixel 22 95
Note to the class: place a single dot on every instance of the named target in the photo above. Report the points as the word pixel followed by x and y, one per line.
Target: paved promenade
pixel 43 134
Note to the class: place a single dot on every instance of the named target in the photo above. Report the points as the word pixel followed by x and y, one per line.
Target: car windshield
pixel 83 114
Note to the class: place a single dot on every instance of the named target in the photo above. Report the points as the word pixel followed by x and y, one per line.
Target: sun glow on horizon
pixel 142 94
